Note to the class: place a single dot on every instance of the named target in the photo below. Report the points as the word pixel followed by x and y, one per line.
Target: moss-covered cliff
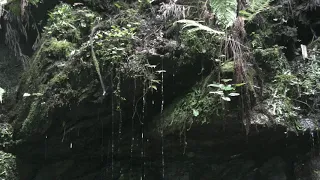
pixel 123 90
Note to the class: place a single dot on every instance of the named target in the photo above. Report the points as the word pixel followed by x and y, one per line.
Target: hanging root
pixel 94 58
pixel 239 52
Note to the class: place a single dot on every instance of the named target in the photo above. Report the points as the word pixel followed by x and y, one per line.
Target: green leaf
pixel 238 85
pixel 117 5
pixel 156 81
pixel 234 94
pixel 226 80
pixel 195 26
pixel 225 10
pixel 216 92
pixel 227 88
pixel 226 98
pixel 154 87
pixel 195 112
pixel 216 85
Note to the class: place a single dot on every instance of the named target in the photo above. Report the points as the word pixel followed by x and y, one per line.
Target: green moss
pixel 227 67
pixel 56 48
pixel 197 45
pixel 6 132
pixel 37 119
pixel 14 7
pixel 196 107
pixel 8 169
pixel 59 78
pixel 271 59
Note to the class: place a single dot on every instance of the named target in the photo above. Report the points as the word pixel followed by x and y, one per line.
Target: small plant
pixel 225 91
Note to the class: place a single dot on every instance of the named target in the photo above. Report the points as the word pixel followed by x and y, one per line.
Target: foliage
pixel 197 45
pixel 294 90
pixel 225 10
pixel 196 107
pixel 255 7
pixel 195 26
pixel 8 166
pixel 113 44
pixel 58 49
pixel 144 4
pixel 66 23
pixel 281 104
pixel 225 91
pixel 172 10
pixel 200 106
pixel 271 59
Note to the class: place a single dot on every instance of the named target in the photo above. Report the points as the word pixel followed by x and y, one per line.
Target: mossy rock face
pixel 9 70
pixel 6 132
pixel 64 71
pixel 8 167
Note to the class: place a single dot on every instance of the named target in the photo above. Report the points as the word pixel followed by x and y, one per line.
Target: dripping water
pixel 119 109
pixel 120 113
pixel 102 135
pixel 112 126
pixel 162 104
pixel 312 137
pixel 64 130
pixel 142 131
pixel 45 148
pixel 132 123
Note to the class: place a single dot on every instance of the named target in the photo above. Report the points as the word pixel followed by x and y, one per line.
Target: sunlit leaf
pixel 240 84
pixel 228 88
pixel 234 94
pixel 26 95
pixel 226 98
pixel 195 112
pixel 216 92
pixel 154 87
pixel 226 80
pixel 215 85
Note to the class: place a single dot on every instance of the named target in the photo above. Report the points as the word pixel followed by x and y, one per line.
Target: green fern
pixel 255 7
pixel 195 26
pixel 225 11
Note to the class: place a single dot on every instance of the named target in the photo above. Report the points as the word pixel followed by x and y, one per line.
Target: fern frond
pixel 225 10
pixel 195 26
pixel 255 7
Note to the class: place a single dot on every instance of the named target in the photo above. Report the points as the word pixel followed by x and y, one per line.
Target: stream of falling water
pixel 120 113
pixel 142 131
pixel 162 104
pixel 132 122
pixel 112 126
pixel 45 150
